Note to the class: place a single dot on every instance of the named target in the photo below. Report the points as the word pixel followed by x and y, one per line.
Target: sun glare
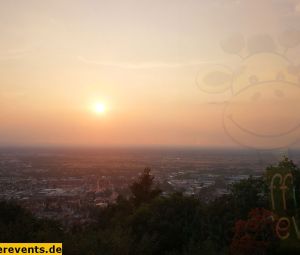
pixel 99 107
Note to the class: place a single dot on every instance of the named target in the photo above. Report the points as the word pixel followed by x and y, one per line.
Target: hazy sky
pixel 139 58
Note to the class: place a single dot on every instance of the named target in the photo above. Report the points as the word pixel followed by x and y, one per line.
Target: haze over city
pixel 106 73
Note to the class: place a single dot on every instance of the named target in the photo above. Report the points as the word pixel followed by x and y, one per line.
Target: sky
pixel 141 61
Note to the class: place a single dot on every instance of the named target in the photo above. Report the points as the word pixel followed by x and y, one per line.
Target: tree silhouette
pixel 142 190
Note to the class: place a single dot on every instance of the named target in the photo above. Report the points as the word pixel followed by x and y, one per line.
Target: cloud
pixel 14 54
pixel 297 8
pixel 144 65
pixel 290 6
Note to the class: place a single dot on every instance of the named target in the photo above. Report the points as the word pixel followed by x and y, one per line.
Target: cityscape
pixel 63 184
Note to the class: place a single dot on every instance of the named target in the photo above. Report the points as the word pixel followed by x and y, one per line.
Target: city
pixel 63 185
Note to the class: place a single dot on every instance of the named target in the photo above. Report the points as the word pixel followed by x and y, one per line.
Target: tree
pixel 169 225
pixel 142 190
pixel 256 235
pixel 249 194
pixel 19 225
pixel 287 164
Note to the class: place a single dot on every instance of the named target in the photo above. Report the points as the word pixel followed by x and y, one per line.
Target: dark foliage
pixel 18 225
pixel 146 223
pixel 142 190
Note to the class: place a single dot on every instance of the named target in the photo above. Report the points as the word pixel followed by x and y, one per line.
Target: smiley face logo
pixel 263 111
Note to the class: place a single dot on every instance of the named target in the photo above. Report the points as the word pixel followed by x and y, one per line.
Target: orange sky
pixel 139 58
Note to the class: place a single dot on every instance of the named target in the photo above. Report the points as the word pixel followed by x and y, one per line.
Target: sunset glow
pixel 144 66
pixel 99 108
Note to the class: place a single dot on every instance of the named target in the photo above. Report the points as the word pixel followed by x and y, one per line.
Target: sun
pixel 99 107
